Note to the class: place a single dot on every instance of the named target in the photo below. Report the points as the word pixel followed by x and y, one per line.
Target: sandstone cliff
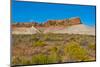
pixel 64 22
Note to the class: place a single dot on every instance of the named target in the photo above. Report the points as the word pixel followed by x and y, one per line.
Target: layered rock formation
pixel 70 26
pixel 75 29
pixel 65 22
pixel 25 30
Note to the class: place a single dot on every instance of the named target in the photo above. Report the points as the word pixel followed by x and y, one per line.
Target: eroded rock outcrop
pixel 64 22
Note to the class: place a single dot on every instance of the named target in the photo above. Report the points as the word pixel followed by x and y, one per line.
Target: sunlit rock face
pixel 65 22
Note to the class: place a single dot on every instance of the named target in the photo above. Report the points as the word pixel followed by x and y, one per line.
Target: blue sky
pixel 41 12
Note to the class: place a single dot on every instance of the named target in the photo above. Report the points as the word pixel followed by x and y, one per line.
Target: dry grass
pixel 52 48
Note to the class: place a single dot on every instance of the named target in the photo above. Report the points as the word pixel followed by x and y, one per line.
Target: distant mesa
pixel 65 22
pixel 70 26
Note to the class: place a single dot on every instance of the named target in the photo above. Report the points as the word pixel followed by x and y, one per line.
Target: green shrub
pixel 54 58
pixel 92 46
pixel 39 43
pixel 45 59
pixel 76 52
pixel 54 49
pixel 46 37
pixel 39 59
pixel 35 38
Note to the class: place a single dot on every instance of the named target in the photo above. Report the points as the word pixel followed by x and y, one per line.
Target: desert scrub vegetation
pixel 54 55
pixel 39 59
pixel 44 59
pixel 39 44
pixel 75 52
pixel 92 46
pixel 20 60
pixel 52 48
pixel 54 58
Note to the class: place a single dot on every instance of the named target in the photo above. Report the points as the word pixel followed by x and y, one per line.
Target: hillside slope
pixel 75 29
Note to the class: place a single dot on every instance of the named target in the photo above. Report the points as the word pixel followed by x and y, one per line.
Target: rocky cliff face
pixel 65 22
pixel 75 21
